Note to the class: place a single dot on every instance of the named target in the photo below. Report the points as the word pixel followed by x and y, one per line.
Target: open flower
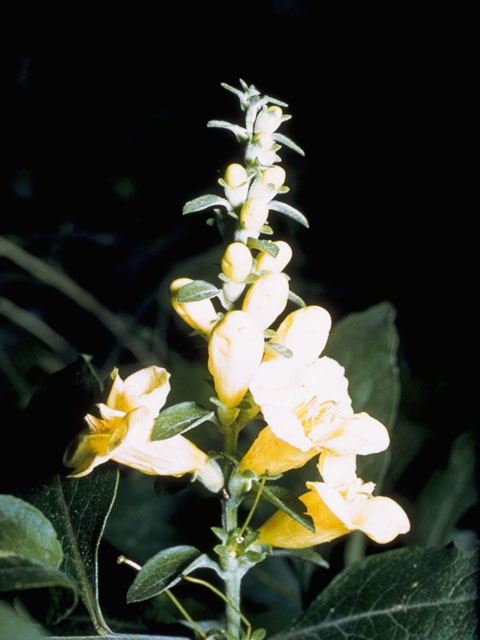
pixel 341 504
pixel 122 433
pixel 304 400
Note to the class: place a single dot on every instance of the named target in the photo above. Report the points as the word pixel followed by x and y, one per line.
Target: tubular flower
pixel 267 183
pixel 235 351
pixel 337 509
pixel 123 431
pixel 304 400
pixel 266 299
pixel 266 262
pixel 269 119
pixel 200 315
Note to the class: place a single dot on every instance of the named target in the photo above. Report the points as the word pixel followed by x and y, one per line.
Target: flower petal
pixel 86 452
pixel 337 471
pixel 266 299
pixel 334 501
pixel 381 519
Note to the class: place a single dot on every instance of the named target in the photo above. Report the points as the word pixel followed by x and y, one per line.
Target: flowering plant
pixel 285 419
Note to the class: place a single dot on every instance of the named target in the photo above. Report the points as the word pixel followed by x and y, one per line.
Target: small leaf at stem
pixel 196 291
pixel 178 419
pixel 204 202
pixel 289 503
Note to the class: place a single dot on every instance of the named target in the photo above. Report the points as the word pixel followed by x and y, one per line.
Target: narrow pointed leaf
pixel 197 290
pixel 78 509
pixel 280 348
pixel 178 419
pixel 289 503
pixel 403 594
pixel 263 245
pixel 279 137
pixel 204 202
pixel 309 555
pixel 296 299
pixel 239 132
pixel 161 572
pixel 289 211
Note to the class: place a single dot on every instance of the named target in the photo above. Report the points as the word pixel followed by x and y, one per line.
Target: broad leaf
pixel 197 290
pixel 404 594
pixel 289 503
pixel 204 202
pixel 448 494
pixel 26 532
pixel 178 419
pixel 366 345
pixel 161 572
pixel 78 509
pixel 289 211
pixel 18 573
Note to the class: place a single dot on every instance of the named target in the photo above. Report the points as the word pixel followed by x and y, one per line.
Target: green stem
pixel 232 596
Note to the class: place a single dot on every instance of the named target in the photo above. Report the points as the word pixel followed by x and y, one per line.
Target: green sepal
pixel 196 291
pixel 258 634
pixel 288 502
pixel 296 299
pixel 263 245
pixel 162 571
pixel 179 418
pixel 308 555
pixel 221 534
pixel 267 230
pixel 289 211
pixel 279 137
pixel 204 202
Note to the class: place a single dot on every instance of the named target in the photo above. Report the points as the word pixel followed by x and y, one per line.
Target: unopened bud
pixel 235 351
pixel 266 262
pixel 266 299
pixel 254 214
pixel 235 175
pixel 268 120
pixel 199 315
pixel 237 261
pixel 273 175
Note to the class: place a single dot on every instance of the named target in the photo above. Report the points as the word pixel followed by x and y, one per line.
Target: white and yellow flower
pixel 304 400
pixel 123 430
pixel 339 505
pixel 266 299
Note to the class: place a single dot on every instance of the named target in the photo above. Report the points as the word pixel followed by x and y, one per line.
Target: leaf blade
pixel 178 419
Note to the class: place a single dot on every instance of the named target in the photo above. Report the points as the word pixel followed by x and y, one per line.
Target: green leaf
pixel 289 503
pixel 279 348
pixel 296 299
pixel 26 532
pixel 178 419
pixel 308 555
pixel 263 245
pixel 161 572
pixel 366 344
pixel 279 137
pixel 289 211
pixel 14 626
pixel 403 594
pixel 78 509
pixel 240 133
pixel 448 494
pixel 204 202
pixel 197 290
pixel 18 573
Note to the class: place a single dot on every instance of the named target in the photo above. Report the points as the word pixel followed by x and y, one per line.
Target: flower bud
pixel 254 214
pixel 261 149
pixel 269 119
pixel 266 262
pixel 199 315
pixel 267 183
pixel 237 261
pixel 235 175
pixel 235 351
pixel 266 299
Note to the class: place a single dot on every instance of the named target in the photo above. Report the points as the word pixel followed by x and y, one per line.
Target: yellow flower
pixel 304 400
pixel 200 315
pixel 236 184
pixel 266 299
pixel 341 504
pixel 235 351
pixel 123 431
pixel 267 183
pixel 269 119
